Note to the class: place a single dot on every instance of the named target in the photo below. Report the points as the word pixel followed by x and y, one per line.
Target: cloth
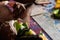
pixel 49 7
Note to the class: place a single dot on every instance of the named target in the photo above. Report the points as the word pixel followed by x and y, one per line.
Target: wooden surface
pixel 48 24
pixel 42 1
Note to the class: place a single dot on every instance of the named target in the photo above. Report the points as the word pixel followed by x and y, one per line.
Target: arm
pixel 27 17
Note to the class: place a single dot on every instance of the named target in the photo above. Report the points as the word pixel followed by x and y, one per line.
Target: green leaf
pixel 56 11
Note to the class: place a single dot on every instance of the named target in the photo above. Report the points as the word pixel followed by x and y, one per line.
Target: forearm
pixel 27 17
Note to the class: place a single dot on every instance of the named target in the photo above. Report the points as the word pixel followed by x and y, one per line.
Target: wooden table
pixel 49 25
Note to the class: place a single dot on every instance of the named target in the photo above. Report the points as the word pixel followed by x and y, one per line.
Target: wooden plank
pixel 42 1
pixel 48 26
pixel 45 22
